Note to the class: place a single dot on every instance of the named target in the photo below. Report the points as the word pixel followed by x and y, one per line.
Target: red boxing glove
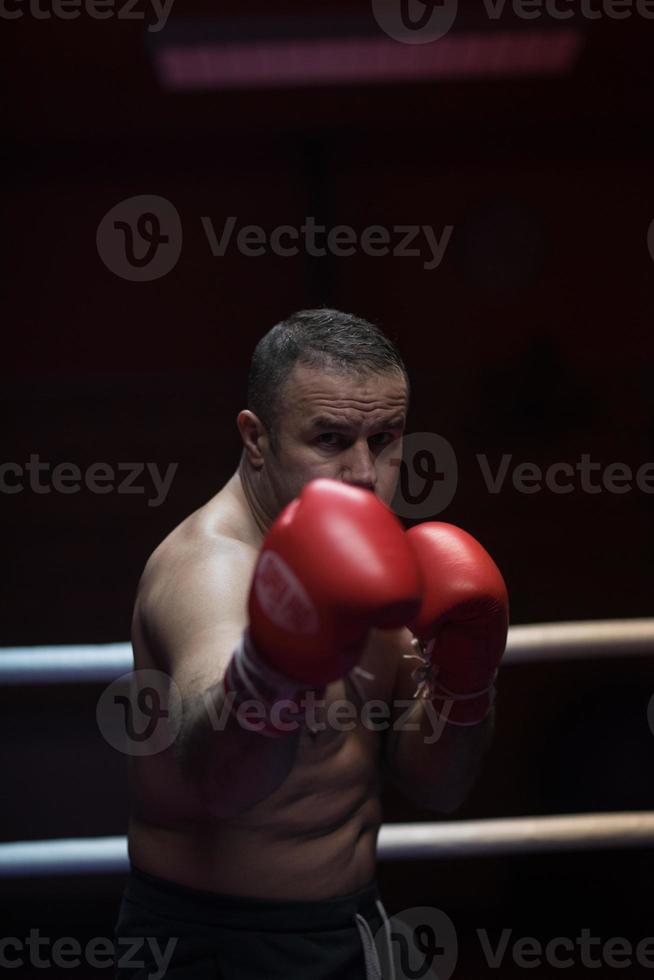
pixel 462 624
pixel 335 563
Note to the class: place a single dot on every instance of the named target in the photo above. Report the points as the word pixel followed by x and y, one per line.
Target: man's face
pixel 338 426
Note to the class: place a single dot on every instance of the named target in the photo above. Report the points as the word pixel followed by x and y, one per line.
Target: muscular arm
pixel 432 763
pixel 191 610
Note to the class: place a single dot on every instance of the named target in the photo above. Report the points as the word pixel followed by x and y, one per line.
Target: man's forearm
pixel 233 766
pixel 434 763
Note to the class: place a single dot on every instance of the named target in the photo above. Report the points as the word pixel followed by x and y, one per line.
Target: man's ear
pixel 255 437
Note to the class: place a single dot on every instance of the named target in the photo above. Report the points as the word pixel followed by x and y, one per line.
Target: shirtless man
pixel 252 843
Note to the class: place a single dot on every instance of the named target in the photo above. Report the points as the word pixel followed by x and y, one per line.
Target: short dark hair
pixel 321 338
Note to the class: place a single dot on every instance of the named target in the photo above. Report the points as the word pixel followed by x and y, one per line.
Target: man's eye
pixel 382 438
pixel 329 439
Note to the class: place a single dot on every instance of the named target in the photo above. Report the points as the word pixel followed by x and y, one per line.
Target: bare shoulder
pixel 195 548
pixel 194 583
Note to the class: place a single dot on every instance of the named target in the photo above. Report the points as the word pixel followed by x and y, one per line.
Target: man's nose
pixel 359 467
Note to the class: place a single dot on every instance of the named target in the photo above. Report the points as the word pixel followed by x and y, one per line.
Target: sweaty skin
pixel 312 832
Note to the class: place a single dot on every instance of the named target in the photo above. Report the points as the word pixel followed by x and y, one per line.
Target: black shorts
pixel 165 930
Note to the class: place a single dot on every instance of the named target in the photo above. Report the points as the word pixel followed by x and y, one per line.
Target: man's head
pixel 327 393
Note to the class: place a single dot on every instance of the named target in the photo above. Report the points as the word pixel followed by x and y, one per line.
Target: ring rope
pixel 397 841
pixel 533 643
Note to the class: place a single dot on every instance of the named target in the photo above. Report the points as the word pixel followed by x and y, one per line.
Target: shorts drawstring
pixel 389 939
pixel 371 957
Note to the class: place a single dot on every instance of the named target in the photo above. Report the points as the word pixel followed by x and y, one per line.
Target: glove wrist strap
pixel 250 678
pixel 455 708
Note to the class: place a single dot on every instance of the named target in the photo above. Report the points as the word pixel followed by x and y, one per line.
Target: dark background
pixel 534 338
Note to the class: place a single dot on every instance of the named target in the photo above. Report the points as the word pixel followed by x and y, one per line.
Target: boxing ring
pixel 549 642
